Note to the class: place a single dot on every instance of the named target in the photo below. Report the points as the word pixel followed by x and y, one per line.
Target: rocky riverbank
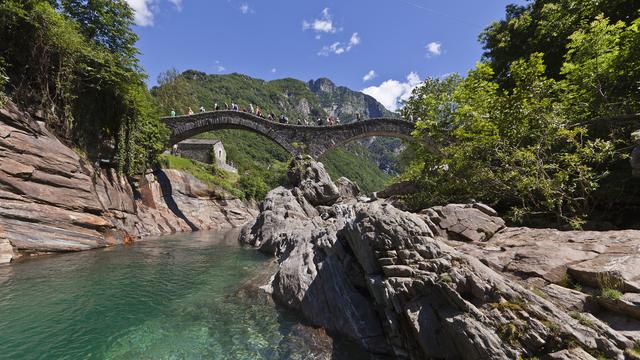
pixel 52 200
pixel 451 282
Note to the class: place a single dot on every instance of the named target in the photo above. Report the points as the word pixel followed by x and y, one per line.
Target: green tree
pixel 601 69
pixel 74 63
pixel 107 22
pixel 544 26
pixel 510 148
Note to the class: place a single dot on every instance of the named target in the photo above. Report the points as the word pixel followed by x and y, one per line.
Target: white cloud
pixel 144 10
pixel 177 4
pixel 219 66
pixel 434 48
pixel 246 9
pixel 369 76
pixel 340 48
pixel 355 40
pixel 335 48
pixel 322 25
pixel 273 70
pixel 391 92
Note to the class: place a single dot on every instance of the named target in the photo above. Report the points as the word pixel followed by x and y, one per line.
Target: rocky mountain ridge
pixel 342 102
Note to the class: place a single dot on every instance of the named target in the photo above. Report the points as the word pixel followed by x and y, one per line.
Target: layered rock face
pixel 51 200
pixel 395 283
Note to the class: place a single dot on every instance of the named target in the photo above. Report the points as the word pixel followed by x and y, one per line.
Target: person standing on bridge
pixel 357 116
pixel 337 120
pixel 226 106
pixel 173 113
pixel 253 111
pixel 216 107
pixel 319 121
pixel 202 109
pixel 258 112
pixel 190 112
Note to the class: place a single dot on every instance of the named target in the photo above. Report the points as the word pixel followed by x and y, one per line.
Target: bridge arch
pixel 187 126
pixel 317 140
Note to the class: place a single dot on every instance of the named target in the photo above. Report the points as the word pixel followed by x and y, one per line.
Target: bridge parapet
pixel 316 140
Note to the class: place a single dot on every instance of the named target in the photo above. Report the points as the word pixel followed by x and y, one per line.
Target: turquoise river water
pixel 176 297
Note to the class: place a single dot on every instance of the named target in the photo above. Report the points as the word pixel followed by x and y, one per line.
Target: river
pixel 175 297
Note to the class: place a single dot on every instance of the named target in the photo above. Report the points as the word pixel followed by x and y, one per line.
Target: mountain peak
pixel 321 85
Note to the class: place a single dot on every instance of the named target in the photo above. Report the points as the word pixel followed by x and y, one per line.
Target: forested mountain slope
pixel 295 99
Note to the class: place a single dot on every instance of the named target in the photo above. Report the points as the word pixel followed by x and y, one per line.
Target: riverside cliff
pixel 450 283
pixel 53 200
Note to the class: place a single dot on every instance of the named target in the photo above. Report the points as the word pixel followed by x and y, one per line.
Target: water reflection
pixel 176 297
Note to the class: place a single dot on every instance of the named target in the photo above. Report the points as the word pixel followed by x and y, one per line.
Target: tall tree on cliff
pixel 74 63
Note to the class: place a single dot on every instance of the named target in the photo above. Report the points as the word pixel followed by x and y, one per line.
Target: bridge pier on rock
pixel 315 140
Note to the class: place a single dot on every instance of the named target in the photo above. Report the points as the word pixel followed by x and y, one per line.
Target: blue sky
pixel 384 47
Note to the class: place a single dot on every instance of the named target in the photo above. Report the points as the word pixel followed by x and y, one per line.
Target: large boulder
pixel 464 222
pixel 387 280
pixel 311 178
pixel 282 223
pixel 347 188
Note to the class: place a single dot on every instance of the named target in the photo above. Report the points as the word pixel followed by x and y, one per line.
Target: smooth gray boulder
pixel 313 181
pixel 347 189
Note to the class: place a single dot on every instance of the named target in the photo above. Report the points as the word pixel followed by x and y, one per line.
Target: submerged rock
pixel 390 280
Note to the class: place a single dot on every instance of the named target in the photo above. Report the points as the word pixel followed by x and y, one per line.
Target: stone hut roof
pixel 199 142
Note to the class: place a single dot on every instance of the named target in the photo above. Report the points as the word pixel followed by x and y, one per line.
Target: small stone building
pixel 206 151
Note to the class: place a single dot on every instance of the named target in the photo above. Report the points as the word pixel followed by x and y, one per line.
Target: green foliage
pixel 544 26
pixel 513 305
pixel 510 333
pixel 209 174
pixel 446 277
pixel 255 157
pixel 360 168
pixel 75 64
pixel 610 280
pixel 253 187
pixel 592 48
pixel 511 148
pixel 582 319
pixel 611 294
pixel 601 69
pixel 634 353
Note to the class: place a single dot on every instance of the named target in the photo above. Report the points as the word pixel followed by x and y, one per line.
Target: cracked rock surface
pixel 400 285
pixel 52 200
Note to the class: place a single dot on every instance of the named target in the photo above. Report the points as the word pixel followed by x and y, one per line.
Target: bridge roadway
pixel 313 140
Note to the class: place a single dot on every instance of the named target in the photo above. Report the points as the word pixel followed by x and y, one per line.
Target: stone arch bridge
pixel 314 140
